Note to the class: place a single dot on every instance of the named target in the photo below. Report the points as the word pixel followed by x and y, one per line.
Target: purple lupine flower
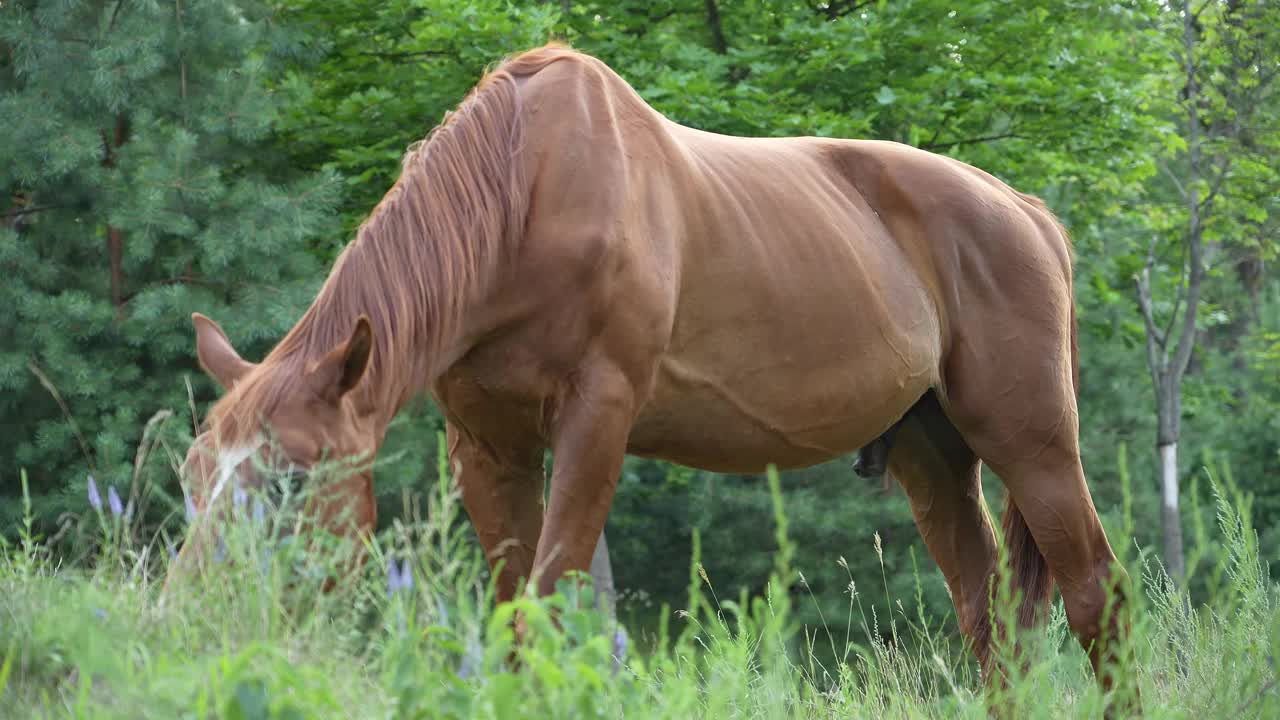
pixel 619 649
pixel 95 500
pixel 117 508
pixel 406 577
pixel 471 658
pixel 399 578
pixel 393 578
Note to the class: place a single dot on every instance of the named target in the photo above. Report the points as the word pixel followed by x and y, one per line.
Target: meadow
pixel 415 634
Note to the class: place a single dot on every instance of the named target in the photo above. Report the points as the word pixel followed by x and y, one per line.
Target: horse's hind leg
pixel 942 480
pixel 1020 417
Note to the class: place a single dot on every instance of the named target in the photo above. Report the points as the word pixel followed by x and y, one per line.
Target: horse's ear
pixel 216 356
pixel 343 368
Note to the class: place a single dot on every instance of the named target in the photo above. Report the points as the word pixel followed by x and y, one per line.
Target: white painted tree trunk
pixel 1172 522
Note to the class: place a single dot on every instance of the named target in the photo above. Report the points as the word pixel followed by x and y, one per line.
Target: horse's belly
pixel 795 416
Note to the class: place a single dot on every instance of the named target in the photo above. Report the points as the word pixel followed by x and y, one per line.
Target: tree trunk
pixel 602 576
pixel 1173 554
pixel 718 40
pixel 115 236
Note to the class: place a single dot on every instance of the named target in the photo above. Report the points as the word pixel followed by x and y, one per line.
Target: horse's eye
pixel 293 479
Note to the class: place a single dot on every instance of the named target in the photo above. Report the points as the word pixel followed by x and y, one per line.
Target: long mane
pixel 448 227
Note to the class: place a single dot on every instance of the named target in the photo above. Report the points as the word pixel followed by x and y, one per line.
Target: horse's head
pixel 290 426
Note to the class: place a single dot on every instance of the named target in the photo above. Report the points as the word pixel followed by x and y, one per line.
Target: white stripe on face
pixel 228 464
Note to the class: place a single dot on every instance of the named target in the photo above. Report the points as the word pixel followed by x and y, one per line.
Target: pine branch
pixel 66 411
pixel 178 280
pixel 32 209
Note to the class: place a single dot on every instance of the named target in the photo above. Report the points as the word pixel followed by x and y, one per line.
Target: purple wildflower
pixel 406 576
pixel 259 510
pixel 393 578
pixel 619 649
pixel 117 508
pixel 95 500
pixel 239 497
pixel 399 578
pixel 471 658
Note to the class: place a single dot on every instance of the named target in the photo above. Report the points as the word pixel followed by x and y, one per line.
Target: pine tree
pixel 141 181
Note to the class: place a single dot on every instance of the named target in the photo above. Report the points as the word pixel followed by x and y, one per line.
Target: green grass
pixel 256 639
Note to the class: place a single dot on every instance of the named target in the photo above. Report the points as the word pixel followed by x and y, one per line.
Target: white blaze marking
pixel 228 462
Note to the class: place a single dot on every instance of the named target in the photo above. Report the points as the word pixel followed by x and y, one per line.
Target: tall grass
pixel 415 634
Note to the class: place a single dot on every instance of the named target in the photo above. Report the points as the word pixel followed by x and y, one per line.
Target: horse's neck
pixel 432 246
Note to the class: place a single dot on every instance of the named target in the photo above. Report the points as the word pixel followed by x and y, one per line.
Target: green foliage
pixel 137 135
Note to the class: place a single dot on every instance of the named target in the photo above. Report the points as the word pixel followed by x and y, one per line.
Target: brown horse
pixel 564 268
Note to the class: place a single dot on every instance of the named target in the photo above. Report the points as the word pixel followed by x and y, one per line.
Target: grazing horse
pixel 564 268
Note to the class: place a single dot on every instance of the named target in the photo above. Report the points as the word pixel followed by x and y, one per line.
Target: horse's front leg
pixel 502 492
pixel 588 439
